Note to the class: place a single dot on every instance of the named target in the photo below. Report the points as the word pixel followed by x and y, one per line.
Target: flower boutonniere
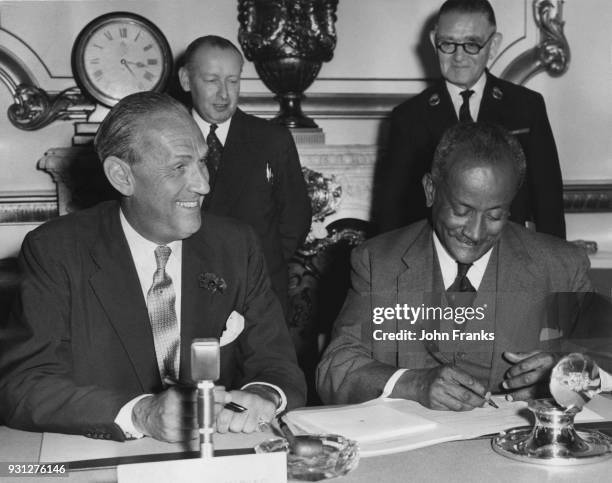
pixel 212 282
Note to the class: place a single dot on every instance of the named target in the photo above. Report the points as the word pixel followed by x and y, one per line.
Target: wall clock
pixel 120 53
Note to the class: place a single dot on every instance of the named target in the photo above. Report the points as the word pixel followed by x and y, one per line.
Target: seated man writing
pixel 112 297
pixel 444 312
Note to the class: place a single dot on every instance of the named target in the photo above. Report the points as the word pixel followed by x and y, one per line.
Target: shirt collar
pixel 478 88
pixel 448 265
pixel 222 128
pixel 142 248
pixel 475 99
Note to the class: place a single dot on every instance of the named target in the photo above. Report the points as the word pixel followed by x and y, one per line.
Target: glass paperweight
pixel 339 455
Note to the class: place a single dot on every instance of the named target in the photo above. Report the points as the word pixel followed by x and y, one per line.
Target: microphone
pixel 205 369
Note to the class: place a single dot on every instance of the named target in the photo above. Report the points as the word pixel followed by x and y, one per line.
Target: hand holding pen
pixel 443 388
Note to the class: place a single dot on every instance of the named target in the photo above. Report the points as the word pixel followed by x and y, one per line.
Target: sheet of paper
pixel 362 423
pixel 252 468
pixel 450 425
pixel 65 447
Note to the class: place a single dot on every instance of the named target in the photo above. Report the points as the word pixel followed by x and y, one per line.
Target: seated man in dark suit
pixel 465 40
pixel 112 297
pixel 443 314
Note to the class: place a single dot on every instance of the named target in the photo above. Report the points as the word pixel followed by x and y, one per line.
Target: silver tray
pixel 586 448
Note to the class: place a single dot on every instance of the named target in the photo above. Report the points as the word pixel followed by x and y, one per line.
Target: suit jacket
pixel 416 128
pixel 535 297
pixel 260 182
pixel 78 344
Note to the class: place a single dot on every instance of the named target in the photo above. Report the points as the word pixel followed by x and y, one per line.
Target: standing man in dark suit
pixel 254 166
pixel 112 297
pixel 465 40
pixel 442 313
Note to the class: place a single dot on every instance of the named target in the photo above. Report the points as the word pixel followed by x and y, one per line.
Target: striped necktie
pixel 162 315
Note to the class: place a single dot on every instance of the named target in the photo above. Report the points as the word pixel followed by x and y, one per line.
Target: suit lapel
pixel 418 259
pixel 442 113
pixel 198 305
pixel 236 165
pixel 117 288
pixel 491 110
pixel 517 281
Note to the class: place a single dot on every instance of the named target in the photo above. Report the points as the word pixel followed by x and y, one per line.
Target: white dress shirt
pixel 222 128
pixel 455 95
pixel 449 268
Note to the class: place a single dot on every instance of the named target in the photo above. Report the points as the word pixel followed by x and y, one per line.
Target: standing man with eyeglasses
pixel 465 40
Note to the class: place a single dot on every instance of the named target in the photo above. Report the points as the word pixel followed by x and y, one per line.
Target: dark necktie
pixel 213 157
pixel 461 292
pixel 160 304
pixel 464 110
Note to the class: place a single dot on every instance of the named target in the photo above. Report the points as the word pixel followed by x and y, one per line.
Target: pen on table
pixel 232 406
pixel 442 359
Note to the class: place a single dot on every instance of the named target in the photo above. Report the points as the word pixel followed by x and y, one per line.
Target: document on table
pixel 66 447
pixel 414 425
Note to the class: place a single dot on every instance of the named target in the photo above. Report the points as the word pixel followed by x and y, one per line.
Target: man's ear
pixel 432 39
pixel 119 174
pixel 495 45
pixel 183 75
pixel 430 189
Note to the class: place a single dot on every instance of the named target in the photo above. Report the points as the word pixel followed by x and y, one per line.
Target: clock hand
pixel 140 65
pixel 125 64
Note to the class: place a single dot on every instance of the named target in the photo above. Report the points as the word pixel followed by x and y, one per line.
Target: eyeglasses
pixel 471 48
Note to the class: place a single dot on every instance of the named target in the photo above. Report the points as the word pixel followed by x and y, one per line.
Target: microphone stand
pixel 206 408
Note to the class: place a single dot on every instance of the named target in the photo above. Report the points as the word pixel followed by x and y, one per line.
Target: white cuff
pixel 388 389
pixel 124 418
pixel 283 403
pixel 606 381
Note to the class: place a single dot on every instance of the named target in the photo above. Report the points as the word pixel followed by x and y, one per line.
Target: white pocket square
pixel 233 328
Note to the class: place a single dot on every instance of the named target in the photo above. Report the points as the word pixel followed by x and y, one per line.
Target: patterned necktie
pixel 213 157
pixel 160 304
pixel 461 292
pixel 464 110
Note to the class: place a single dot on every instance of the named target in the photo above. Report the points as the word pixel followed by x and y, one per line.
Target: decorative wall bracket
pixel 552 54
pixel 34 108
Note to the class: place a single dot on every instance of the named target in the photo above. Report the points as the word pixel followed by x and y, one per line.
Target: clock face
pixel 119 54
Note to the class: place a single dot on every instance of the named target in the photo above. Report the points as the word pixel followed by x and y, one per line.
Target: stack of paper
pixel 384 426
pixel 362 423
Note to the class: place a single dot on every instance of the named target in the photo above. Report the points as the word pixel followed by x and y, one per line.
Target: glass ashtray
pixel 339 456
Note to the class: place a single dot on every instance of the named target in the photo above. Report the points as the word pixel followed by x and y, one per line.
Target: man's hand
pixel 259 409
pixel 168 416
pixel 529 369
pixel 171 415
pixel 441 388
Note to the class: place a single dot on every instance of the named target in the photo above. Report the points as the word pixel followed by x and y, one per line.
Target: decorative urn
pixel 288 40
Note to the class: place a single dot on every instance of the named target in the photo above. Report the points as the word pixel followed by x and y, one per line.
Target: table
pixel 470 461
